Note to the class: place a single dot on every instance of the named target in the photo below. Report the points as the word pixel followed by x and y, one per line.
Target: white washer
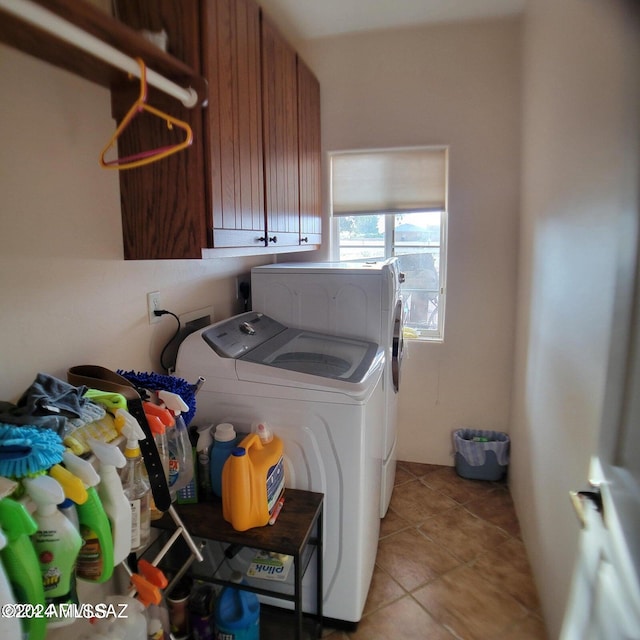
pixel 323 396
pixel 357 299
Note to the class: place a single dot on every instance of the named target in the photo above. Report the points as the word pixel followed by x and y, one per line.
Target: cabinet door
pixel 235 190
pixel 309 155
pixel 280 132
pixel 163 204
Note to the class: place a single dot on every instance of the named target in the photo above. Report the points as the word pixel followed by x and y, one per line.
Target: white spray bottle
pixel 134 482
pixel 56 542
pixel 181 447
pixel 113 499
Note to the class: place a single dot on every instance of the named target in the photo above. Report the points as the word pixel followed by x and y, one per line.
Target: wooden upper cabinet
pixel 251 179
pixel 280 132
pixel 309 156
pixel 163 204
pixel 231 56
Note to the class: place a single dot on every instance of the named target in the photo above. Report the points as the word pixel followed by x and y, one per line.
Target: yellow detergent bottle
pixel 252 481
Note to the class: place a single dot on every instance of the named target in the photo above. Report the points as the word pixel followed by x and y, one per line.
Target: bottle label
pixel 275 483
pixel 174 468
pixel 135 523
pixel 89 565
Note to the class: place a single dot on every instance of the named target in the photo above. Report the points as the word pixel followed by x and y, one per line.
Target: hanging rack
pixel 151 155
pixel 41 18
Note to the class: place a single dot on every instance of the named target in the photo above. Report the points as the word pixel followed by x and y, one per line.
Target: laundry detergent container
pixel 480 454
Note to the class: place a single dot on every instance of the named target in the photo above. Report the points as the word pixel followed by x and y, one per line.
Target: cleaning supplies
pixel 9 625
pixel 73 487
pixel 237 613
pixel 159 420
pixel 203 456
pixel 131 626
pixel 158 429
pixel 95 562
pixel 68 509
pixel 113 499
pixel 56 542
pixel 134 483
pixel 180 451
pixel 20 562
pixel 224 440
pixel 252 482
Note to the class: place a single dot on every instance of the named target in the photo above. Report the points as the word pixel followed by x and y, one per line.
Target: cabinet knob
pixel 273 239
pixel 305 239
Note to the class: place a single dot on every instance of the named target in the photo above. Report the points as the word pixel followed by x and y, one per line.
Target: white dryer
pixel 323 396
pixel 356 299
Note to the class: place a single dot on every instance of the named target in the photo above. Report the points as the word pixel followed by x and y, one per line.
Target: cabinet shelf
pixel 32 40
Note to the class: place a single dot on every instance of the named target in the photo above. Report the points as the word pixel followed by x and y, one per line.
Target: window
pixel 393 203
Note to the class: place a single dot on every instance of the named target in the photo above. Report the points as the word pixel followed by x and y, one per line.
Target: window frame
pixel 389 247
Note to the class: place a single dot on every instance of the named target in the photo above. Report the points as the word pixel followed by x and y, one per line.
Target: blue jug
pixel 237 613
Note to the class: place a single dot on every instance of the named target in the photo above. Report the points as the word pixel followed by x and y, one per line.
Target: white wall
pixel 580 170
pixel 67 297
pixel 456 84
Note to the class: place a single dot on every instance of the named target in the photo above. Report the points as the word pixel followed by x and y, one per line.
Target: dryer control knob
pixel 245 327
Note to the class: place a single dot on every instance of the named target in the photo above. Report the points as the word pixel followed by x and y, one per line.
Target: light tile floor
pixel 450 564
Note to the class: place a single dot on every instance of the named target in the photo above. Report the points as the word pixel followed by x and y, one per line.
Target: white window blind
pixel 389 181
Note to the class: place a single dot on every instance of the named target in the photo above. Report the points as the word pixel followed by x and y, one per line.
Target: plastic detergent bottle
pixel 9 626
pixel 224 440
pixel 252 482
pixel 237 613
pixel 180 456
pixel 57 544
pixel 21 564
pixel 135 486
pixel 113 499
pixel 95 561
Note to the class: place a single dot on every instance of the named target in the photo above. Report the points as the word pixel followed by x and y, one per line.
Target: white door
pixel 605 598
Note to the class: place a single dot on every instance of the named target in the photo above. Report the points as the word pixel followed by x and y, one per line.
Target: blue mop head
pixel 159 382
pixel 28 451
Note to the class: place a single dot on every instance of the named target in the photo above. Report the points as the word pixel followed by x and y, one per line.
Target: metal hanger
pixel 151 155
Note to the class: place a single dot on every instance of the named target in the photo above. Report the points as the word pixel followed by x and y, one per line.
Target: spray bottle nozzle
pixel 81 468
pixel 129 428
pixel 173 402
pixel 108 454
pixel 45 491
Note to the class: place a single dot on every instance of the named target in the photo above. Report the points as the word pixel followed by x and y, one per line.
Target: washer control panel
pixel 236 336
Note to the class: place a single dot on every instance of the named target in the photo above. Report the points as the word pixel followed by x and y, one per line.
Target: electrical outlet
pixel 153 304
pixel 204 316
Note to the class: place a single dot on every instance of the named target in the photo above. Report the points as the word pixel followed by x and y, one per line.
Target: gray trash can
pixel 480 454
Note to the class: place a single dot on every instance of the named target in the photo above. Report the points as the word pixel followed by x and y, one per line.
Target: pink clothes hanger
pixel 151 155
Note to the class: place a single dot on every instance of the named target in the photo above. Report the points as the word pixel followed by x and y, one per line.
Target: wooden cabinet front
pixel 235 190
pixel 163 204
pixel 251 178
pixel 309 156
pixel 280 130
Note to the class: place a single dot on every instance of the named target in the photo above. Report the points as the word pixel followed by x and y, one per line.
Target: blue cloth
pixel 473 444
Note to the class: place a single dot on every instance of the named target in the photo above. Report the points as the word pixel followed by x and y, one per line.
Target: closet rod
pixel 63 30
